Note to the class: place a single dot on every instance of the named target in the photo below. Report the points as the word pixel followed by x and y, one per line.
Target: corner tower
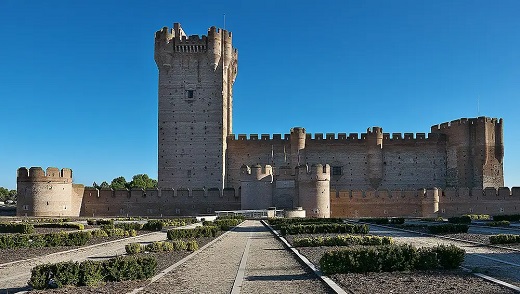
pixel 196 76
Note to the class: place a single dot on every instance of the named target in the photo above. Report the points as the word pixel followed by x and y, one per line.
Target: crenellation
pixel 331 136
pixel 265 137
pixel 408 136
pixel 397 136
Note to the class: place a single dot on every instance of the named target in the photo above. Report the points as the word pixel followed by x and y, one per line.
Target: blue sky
pixel 78 83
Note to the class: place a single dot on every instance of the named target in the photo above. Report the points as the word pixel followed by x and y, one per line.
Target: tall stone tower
pixel 196 76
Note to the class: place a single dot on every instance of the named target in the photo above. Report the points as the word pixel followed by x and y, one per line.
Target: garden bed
pixel 431 281
pixel 164 260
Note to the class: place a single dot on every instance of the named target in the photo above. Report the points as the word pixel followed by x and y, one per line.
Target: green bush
pixel 129 268
pixel 22 228
pixel 204 231
pixel 342 240
pixel 465 219
pixel 390 258
pixel 99 233
pixel 507 217
pixel 133 248
pixel 118 232
pixel 448 229
pixel 324 228
pixel 276 223
pixel 91 273
pixel 479 216
pixel 155 246
pixel 192 245
pixel 153 225
pixel 78 238
pixel 179 245
pixel 226 224
pixel 449 256
pixel 168 246
pixel 129 226
pixel 62 225
pixel 503 223
pixel 383 220
pixel 504 239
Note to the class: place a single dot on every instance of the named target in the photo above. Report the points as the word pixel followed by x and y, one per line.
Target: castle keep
pixel 203 167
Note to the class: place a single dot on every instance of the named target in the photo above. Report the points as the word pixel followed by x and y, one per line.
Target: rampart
pixel 158 202
pixel 424 202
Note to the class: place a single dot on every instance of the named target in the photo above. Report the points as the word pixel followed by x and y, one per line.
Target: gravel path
pixel 226 267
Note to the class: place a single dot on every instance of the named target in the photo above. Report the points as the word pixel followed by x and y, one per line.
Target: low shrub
pixel 507 217
pixel 503 223
pixel 61 225
pixel 92 272
pixel 383 220
pixel 504 239
pixel 342 240
pixel 156 246
pixel 22 228
pixel 465 219
pixel 179 245
pixel 324 228
pixel 99 233
pixel 448 229
pixel 129 226
pixel 153 225
pixel 133 248
pixel 276 223
pixel 204 231
pixel 118 232
pixel 226 224
pixel 238 217
pixel 192 245
pixel 433 219
pixel 479 216
pixel 390 258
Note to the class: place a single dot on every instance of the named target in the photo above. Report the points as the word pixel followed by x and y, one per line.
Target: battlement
pixel 37 174
pixel 256 172
pixel 316 172
pixel 154 194
pixel 466 121
pixel 263 137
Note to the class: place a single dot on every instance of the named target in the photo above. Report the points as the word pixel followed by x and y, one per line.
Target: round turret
pixel 298 136
pixel 314 190
pixel 47 193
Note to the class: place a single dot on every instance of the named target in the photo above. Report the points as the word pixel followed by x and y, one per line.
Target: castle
pixel 203 167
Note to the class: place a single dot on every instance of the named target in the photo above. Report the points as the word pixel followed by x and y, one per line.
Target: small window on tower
pixel 190 94
pixel 336 171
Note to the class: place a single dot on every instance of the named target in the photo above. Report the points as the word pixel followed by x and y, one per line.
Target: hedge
pixel 324 228
pixel 390 258
pixel 153 225
pixel 507 217
pixel 92 273
pixel 224 224
pixel 342 240
pixel 465 219
pixel 383 220
pixel 44 240
pixel 204 231
pixel 127 226
pixel 448 229
pixel 504 239
pixel 22 228
pixel 62 225
pixel 479 216
pixel 159 246
pixel 503 223
pixel 239 217
pixel 276 223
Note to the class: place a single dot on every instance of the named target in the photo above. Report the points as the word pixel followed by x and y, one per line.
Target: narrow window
pixel 190 94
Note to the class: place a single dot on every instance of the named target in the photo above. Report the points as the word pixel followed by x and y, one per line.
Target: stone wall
pixel 157 202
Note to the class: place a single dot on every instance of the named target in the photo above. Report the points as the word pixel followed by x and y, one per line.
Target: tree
pixel 6 194
pixel 142 181
pixel 119 183
pixel 104 185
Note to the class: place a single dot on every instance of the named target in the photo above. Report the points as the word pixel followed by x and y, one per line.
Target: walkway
pixel 246 260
